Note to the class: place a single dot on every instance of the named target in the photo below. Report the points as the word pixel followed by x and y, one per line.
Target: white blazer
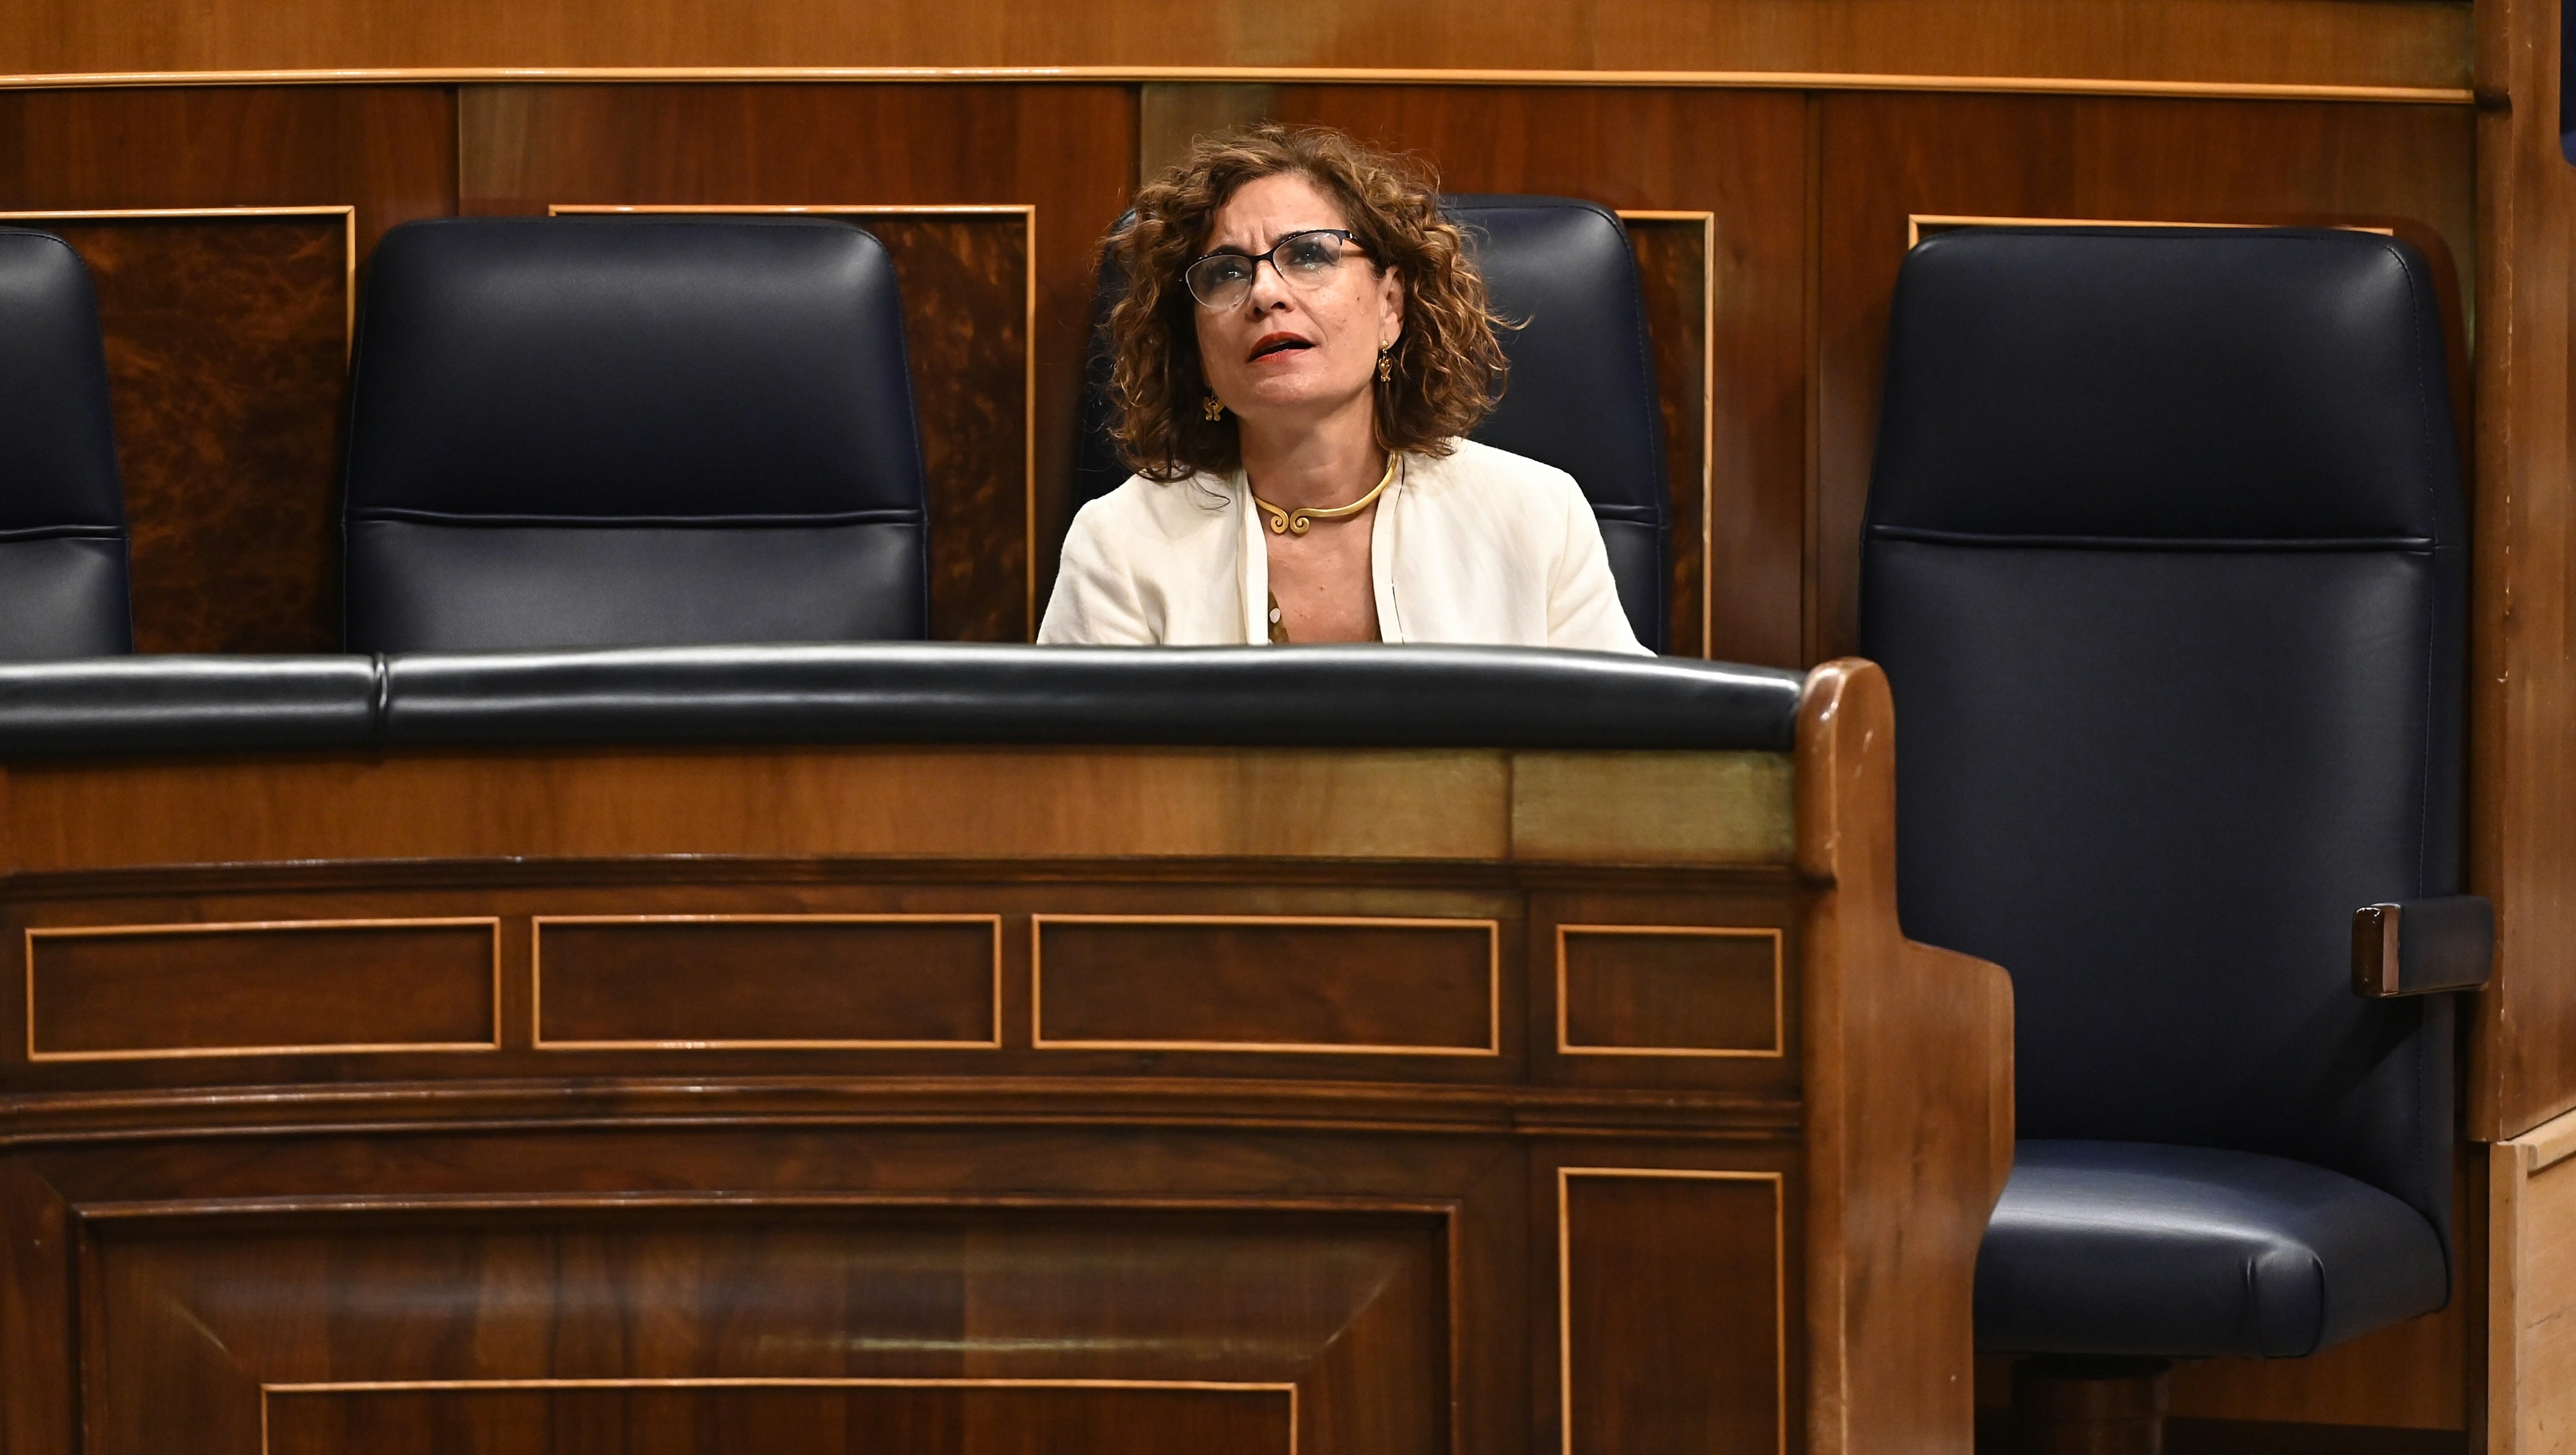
pixel 1481 546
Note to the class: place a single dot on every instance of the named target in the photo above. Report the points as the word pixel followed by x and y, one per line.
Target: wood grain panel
pixel 2531 1288
pixel 2414 42
pixel 1023 804
pixel 1742 157
pixel 1065 151
pixel 227 342
pixel 712 1327
pixel 1189 982
pixel 1669 990
pixel 2522 715
pixel 134 992
pixel 826 1417
pixel 1675 269
pixel 1891 157
pixel 1672 1295
pixel 969 283
pixel 1652 808
pixel 728 982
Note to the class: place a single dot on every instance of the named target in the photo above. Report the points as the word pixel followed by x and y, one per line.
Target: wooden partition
pixel 1774 159
pixel 914 1099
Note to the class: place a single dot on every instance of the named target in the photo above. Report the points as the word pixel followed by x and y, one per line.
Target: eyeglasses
pixel 1301 259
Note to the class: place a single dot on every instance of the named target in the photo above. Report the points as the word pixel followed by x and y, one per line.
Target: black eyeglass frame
pixel 1350 242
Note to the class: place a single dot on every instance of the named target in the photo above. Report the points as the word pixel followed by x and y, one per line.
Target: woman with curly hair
pixel 1302 344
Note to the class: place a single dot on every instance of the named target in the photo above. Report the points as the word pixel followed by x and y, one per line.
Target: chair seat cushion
pixel 2132 1248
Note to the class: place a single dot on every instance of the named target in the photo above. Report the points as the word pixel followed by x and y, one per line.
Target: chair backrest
pixel 2165 560
pixel 1582 390
pixel 631 431
pixel 62 509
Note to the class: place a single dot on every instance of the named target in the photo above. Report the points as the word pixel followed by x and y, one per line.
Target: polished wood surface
pixel 1669 990
pixel 2531 1339
pixel 1161 1099
pixel 2330 42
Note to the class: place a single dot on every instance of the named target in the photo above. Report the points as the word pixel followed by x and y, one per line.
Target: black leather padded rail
pixel 1369 696
pixel 2164 560
pixel 62 509
pixel 1582 390
pixel 901 693
pixel 179 704
pixel 570 432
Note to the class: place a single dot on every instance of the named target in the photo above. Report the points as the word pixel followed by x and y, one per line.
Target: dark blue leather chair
pixel 62 508
pixel 1582 391
pixel 2165 561
pixel 631 431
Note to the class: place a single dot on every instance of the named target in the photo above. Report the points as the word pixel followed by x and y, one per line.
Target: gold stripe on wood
pixel 1278 75
pixel 537 982
pixel 1779 985
pixel 1494 983
pixel 1565 1280
pixel 80 932
pixel 1027 213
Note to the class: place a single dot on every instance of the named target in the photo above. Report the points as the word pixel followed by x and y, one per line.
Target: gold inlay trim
pixel 1566 1046
pixel 102 932
pixel 348 214
pixel 537 981
pixel 268 1392
pixel 1027 213
pixel 1493 983
pixel 1565 1280
pixel 1282 75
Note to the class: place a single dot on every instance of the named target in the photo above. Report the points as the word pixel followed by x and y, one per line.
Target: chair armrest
pixel 2422 946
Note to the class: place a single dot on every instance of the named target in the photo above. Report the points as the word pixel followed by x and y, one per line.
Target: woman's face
pixel 1293 352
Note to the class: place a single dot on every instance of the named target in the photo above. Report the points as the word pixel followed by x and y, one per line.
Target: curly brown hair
pixel 1449 368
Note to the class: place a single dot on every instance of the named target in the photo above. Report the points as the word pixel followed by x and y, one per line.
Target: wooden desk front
pixel 990 1099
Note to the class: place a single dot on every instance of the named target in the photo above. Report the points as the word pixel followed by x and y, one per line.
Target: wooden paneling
pixel 1674 270
pixel 1182 983
pixel 746 981
pixel 827 1417
pixel 1065 151
pixel 2531 1287
pixel 1669 990
pixel 977 1312
pixel 1739 156
pixel 227 344
pixel 2522 822
pixel 1889 157
pixel 133 992
pixel 1673 1310
pixel 2407 42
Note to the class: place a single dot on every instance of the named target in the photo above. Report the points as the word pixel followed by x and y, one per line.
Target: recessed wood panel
pixel 227 341
pixel 823 1417
pixel 113 992
pixel 1675 269
pixel 1673 1315
pixel 1188 982
pixel 739 1325
pixel 1668 990
pixel 726 981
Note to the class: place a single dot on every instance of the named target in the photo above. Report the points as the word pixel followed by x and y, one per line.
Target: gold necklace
pixel 1298 521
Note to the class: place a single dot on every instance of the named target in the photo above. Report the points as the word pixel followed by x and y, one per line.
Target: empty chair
pixel 2165 562
pixel 1582 391
pixel 62 510
pixel 628 431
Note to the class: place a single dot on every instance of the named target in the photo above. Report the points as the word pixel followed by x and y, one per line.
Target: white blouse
pixel 1481 546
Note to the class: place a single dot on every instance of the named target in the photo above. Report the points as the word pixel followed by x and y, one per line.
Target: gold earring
pixel 1214 409
pixel 1385 362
